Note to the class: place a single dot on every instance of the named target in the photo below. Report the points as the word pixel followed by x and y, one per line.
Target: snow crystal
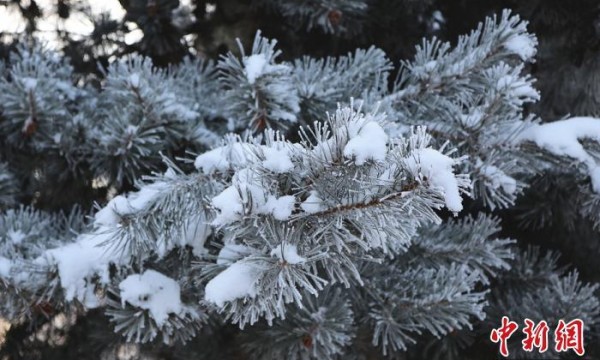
pixel 231 253
pixel 281 207
pixel 504 82
pixel 369 142
pixel 182 17
pixel 67 88
pixel 255 66
pixel 16 237
pixel 130 131
pixel 518 87
pixel 324 151
pixel 312 204
pixel 237 281
pixel 5 266
pixel 134 80
pixel 499 179
pixel 438 16
pixel 288 253
pixel 437 168
pixel 153 291
pixel 523 45
pixel 430 65
pixel 473 119
pixel 278 161
pixel 29 83
pixel 181 111
pixel 562 138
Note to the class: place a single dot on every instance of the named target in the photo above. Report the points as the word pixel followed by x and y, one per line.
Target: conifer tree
pixel 264 205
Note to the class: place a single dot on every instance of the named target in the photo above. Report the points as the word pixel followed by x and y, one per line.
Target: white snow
pixel 437 168
pixel 79 261
pixel 134 80
pixel 89 256
pixel 281 207
pixel 236 282
pixel 288 253
pixel 109 215
pixel 255 66
pixel 128 204
pixel 29 83
pixel 243 191
pixel 211 161
pixel 247 193
pixel 225 157
pixel 523 45
pixel 231 253
pixel 230 206
pixel 196 233
pixel 312 204
pixel 368 141
pixel 152 291
pixel 498 179
pixel 144 197
pixel 278 161
pixel 5 265
pixel 562 138
pixel 16 237
pixel 89 299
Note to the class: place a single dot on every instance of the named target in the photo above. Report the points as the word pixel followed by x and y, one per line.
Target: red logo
pixel 567 336
pixel 535 336
pixel 503 333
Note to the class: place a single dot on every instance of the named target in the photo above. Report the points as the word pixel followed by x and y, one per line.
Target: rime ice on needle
pixel 523 45
pixel 288 253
